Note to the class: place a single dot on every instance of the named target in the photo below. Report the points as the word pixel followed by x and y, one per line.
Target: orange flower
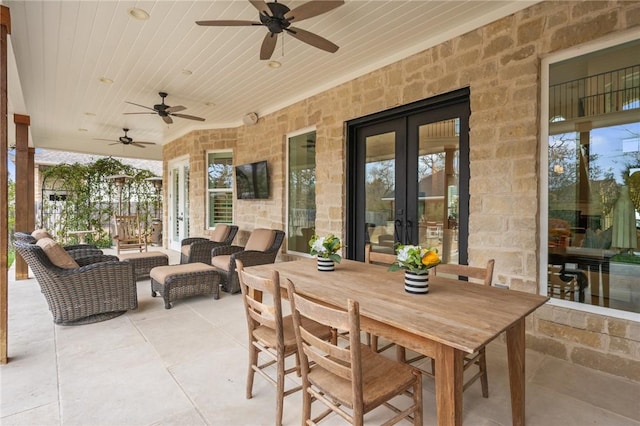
pixel 431 258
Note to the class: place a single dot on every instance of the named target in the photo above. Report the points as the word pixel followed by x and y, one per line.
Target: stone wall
pixel 501 64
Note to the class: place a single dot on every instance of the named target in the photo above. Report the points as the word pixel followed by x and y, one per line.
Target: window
pixel 219 188
pixel 592 171
pixel 301 191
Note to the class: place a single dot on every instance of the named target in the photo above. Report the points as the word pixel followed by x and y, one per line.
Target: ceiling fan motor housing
pixel 276 22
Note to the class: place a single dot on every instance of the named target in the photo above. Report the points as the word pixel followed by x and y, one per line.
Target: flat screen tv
pixel 252 181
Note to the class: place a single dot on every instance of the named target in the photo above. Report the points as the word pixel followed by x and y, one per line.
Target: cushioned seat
pixel 198 249
pixel 179 281
pixel 261 248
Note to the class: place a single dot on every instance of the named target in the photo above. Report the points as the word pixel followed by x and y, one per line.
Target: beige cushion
pixel 220 233
pixel 41 233
pixel 143 255
pixel 185 249
pixel 260 240
pixel 161 273
pixel 221 262
pixel 56 254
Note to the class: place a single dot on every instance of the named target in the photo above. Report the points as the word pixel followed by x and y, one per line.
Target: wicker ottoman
pixel 178 281
pixel 144 262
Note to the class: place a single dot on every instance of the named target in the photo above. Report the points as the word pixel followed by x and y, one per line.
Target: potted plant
pixel 326 251
pixel 416 262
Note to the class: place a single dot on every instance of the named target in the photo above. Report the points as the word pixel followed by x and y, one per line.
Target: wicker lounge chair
pixel 261 248
pixel 95 289
pixel 198 249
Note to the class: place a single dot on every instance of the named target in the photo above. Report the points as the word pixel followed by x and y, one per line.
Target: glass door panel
pixel 380 191
pixel 438 187
pixel 179 207
pixel 301 192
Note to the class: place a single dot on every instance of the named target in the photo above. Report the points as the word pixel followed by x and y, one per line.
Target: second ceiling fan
pixel 165 111
pixel 278 18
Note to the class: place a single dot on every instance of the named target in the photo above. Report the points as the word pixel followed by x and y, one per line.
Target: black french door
pixel 408 179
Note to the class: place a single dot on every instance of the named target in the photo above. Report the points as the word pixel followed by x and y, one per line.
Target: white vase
pixel 416 283
pixel 325 264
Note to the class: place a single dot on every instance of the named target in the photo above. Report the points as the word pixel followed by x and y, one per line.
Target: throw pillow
pixel 41 233
pixel 57 254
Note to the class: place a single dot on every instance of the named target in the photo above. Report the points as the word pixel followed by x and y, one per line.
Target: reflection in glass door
pixel 179 206
pixel 438 172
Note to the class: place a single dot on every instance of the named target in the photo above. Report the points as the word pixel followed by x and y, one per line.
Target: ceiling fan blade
pixel 142 106
pixel 98 139
pixel 132 113
pixel 115 143
pixel 188 117
pixel 138 144
pixel 261 6
pixel 167 119
pixel 312 39
pixel 227 23
pixel 144 143
pixel 311 9
pixel 268 46
pixel 176 108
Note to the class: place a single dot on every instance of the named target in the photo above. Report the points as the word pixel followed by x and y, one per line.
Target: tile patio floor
pixel 187 366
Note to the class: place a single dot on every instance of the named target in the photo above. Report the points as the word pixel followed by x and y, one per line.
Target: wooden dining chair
pixel 271 334
pixel 384 259
pixel 478 359
pixel 560 285
pixel 353 380
pixel 129 233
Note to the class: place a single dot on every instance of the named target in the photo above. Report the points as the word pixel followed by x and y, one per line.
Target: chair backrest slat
pixel 371 256
pixel 473 273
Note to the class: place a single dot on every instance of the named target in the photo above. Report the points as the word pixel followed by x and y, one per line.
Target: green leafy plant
pixel 415 259
pixel 326 247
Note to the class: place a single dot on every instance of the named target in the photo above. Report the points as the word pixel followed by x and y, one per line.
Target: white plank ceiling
pixel 62 48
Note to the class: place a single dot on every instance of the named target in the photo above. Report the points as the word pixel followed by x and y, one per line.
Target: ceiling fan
pixel 278 18
pixel 126 140
pixel 165 111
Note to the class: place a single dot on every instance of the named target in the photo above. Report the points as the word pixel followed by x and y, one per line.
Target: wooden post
pixel 24 180
pixel 5 29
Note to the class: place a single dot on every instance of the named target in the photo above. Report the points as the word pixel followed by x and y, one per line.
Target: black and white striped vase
pixel 416 283
pixel 325 264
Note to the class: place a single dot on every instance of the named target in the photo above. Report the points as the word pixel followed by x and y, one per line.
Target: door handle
pixel 408 230
pixel 397 229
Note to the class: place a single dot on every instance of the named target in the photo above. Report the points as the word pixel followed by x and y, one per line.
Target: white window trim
pixel 288 136
pixel 208 191
pixel 603 43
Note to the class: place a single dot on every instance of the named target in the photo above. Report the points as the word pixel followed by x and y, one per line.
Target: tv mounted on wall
pixel 252 181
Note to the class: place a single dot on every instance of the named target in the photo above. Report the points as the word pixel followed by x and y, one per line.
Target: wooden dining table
pixel 454 319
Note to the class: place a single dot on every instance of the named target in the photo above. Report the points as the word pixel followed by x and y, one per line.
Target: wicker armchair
pixel 75 250
pixel 198 249
pixel 261 248
pixel 99 289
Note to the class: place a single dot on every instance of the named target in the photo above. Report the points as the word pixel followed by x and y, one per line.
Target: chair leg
pixel 417 400
pixel 280 390
pixel 253 362
pixel 484 382
pixel 401 354
pixel 306 404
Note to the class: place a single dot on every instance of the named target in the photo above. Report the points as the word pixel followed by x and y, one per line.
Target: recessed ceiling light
pixel 210 104
pixel 274 64
pixel 82 130
pixel 138 13
pixel 105 80
pixel 187 72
